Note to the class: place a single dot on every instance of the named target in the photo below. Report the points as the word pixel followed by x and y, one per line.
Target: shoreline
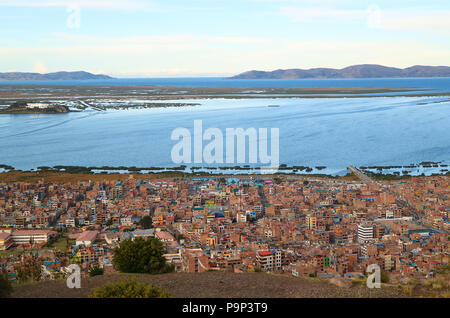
pixel 85 173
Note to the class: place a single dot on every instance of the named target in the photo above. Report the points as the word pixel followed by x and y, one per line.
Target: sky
pixel 191 38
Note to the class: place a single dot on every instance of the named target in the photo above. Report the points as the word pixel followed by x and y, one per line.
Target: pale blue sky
pixel 163 38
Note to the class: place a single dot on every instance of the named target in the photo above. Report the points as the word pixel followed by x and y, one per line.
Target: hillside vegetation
pixel 212 284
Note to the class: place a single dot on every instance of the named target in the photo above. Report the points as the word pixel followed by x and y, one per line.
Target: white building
pixel 126 221
pixel 364 232
pixel 86 238
pixel 268 260
pixel 30 236
pixel 37 105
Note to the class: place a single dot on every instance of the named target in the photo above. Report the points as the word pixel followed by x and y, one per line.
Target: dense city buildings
pixel 289 225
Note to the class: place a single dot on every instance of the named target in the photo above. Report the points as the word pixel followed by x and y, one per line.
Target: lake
pixel 331 132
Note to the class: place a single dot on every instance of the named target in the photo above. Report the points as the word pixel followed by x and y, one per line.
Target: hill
pixel 58 76
pixel 355 71
pixel 212 285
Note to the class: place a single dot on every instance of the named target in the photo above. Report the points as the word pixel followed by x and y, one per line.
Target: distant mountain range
pixel 355 71
pixel 58 76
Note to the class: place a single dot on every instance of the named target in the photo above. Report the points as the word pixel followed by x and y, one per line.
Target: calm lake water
pixel 331 132
pixel 432 84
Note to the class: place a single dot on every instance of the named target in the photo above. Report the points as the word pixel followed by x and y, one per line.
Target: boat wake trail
pixel 50 126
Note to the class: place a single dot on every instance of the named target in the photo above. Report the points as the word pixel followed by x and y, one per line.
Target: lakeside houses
pixel 295 226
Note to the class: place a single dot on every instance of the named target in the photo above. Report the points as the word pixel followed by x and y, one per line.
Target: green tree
pixel 95 271
pixel 278 180
pixel 180 237
pixel 129 288
pixel 141 256
pixel 146 222
pixel 29 268
pixel 5 286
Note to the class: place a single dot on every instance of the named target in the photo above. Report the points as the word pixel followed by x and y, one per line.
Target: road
pixel 363 177
pixel 400 202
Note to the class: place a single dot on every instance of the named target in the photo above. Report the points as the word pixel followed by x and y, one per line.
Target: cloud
pixel 166 72
pixel 188 55
pixel 427 22
pixel 313 14
pixel 96 4
pixel 416 20
pixel 174 41
pixel 39 67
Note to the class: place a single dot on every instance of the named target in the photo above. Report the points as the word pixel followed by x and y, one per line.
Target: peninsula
pixel 24 107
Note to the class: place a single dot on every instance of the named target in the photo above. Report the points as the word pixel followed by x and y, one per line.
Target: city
pixel 299 226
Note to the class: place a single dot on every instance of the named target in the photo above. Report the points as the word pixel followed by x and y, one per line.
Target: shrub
pixel 5 286
pixel 29 268
pixel 129 288
pixel 95 271
pixel 359 281
pixel 141 256
pixel 408 290
pixel 146 222
pixel 384 277
pixel 445 295
pixel 443 269
pixel 436 283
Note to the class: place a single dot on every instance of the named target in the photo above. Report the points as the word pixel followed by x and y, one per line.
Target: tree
pixel 278 180
pixel 180 237
pixel 29 268
pixel 5 286
pixel 129 288
pixel 95 271
pixel 146 222
pixel 141 256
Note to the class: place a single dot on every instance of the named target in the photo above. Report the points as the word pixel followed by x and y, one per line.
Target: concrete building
pixel 364 232
pixel 86 238
pixel 5 241
pixel 30 236
pixel 311 222
pixel 268 260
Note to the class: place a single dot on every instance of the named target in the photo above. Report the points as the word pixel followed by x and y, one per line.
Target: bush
pixel 359 281
pixel 384 277
pixel 408 290
pixel 5 286
pixel 95 271
pixel 129 288
pixel 141 256
pixel 146 222
pixel 29 268
pixel 436 283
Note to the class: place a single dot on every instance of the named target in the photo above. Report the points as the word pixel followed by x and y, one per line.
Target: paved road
pixel 400 202
pixel 362 176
